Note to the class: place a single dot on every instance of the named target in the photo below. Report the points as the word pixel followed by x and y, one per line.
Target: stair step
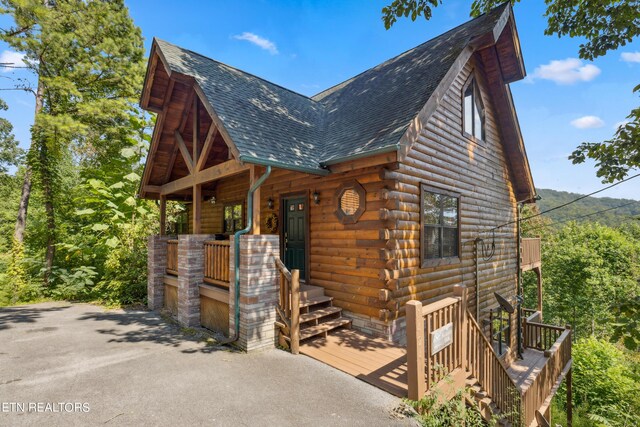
pixel 471 381
pixel 312 331
pixel 310 291
pixel 319 313
pixel 307 302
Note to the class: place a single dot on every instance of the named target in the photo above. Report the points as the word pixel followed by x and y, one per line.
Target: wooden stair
pixel 478 398
pixel 318 315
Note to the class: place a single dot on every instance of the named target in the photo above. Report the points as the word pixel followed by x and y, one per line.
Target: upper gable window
pixel 473 111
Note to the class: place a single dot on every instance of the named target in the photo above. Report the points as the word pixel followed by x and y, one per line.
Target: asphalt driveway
pixel 79 364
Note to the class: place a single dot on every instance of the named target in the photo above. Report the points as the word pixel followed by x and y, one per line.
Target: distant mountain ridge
pixel 589 205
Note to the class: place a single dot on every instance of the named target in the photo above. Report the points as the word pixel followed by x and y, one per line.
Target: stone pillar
pixel 258 291
pixel 190 277
pixel 156 266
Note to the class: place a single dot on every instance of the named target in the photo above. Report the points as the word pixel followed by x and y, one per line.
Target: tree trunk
pixel 21 221
pixel 47 166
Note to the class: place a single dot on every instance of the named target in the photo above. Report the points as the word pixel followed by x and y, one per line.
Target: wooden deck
pixel 373 360
pixel 526 370
pixel 383 364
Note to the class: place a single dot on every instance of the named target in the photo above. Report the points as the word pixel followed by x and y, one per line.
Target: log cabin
pixel 387 205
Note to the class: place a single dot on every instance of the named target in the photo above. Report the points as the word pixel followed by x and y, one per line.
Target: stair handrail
pixel 288 308
pixel 492 375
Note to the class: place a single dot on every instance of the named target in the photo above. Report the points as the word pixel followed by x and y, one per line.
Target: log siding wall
pixel 372 268
pixel 227 191
pixel 443 158
pixel 344 259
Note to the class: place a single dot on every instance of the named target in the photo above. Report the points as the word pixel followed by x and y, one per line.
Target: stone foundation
pixel 190 276
pixel 156 266
pixel 259 282
pixel 393 330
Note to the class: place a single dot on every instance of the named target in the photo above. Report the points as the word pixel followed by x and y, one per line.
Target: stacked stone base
pixel 259 281
pixel 393 330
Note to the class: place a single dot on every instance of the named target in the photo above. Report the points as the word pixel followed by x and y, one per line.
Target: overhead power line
pixel 564 204
pixel 583 216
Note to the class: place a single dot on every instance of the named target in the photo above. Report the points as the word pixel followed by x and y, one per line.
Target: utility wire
pixel 582 216
pixel 564 204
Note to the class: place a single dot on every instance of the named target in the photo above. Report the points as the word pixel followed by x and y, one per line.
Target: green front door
pixel 295 234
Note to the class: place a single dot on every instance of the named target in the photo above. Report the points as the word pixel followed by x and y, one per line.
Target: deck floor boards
pixel 384 364
pixel 373 360
pixel 526 370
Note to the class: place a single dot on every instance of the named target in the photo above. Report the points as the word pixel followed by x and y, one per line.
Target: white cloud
pixel 587 122
pixel 630 56
pixel 261 42
pixel 566 71
pixel 9 57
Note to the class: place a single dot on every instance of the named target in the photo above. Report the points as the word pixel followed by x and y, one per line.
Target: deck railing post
pixel 295 311
pixel 461 291
pixel 415 351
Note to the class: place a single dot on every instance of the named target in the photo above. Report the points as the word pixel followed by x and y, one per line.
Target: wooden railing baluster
pixel 216 262
pixel 172 257
pixel 288 310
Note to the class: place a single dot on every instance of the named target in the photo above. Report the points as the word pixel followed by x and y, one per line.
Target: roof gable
pixel 370 113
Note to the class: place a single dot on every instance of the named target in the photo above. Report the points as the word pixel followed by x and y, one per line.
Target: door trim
pixel 297 195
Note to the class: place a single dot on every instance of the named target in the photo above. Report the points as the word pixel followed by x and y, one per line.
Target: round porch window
pixel 350 201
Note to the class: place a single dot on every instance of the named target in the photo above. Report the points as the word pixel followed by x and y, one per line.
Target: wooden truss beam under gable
pixel 195 160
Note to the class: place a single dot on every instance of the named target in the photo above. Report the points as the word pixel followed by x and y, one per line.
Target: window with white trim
pixel 473 111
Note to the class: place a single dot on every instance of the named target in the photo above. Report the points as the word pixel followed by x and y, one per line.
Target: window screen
pixel 439 225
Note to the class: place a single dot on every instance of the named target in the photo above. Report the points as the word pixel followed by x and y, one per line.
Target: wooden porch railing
pixel 436 352
pixel 540 336
pixel 288 309
pixel 485 365
pixel 172 257
pixel 528 312
pixel 554 370
pixel 216 262
pixel 531 256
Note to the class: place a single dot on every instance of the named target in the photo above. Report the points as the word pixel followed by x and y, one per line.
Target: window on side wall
pixel 233 218
pixel 473 111
pixel 440 240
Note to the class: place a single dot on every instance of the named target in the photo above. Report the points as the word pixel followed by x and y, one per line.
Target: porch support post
pixel 415 351
pixel 255 226
pixel 156 269
pixel 569 398
pixel 190 276
pixel 197 209
pixel 259 281
pixel 163 215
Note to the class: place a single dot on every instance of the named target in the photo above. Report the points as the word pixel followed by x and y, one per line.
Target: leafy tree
pixel 605 26
pixel 588 269
pixel 87 57
pixel 605 383
pixel 10 153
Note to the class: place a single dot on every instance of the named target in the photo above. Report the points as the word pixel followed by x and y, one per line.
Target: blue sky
pixel 311 45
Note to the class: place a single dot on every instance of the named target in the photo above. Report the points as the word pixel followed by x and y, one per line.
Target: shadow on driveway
pixel 143 326
pixel 24 314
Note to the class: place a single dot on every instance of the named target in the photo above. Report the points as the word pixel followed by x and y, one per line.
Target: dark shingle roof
pixel 365 114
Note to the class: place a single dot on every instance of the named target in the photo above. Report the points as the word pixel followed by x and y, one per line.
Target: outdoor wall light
pixel 212 200
pixel 270 203
pixel 316 197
